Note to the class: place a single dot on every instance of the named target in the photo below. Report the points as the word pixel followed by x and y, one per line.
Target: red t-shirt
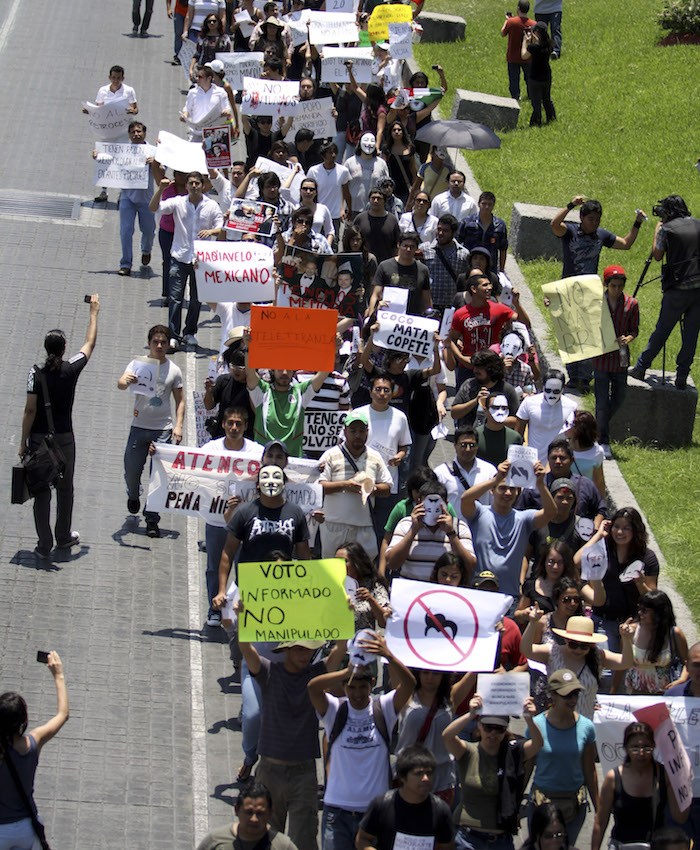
pixel 515 27
pixel 480 326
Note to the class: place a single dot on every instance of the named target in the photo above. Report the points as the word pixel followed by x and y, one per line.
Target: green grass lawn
pixel 627 134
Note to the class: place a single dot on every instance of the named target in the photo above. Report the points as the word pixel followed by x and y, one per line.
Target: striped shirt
pixel 334 392
pixel 625 318
pixel 427 546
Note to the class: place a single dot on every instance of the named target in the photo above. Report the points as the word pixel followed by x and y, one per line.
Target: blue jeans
pixel 179 25
pixel 250 714
pixel 215 538
pixel 165 240
pixel 135 456
pixel 344 147
pixel 180 274
pixel 610 391
pixel 676 304
pixel 514 69
pixel 421 449
pixel 611 629
pixel 465 839
pixel 554 21
pixel 136 15
pixel 339 828
pixel 582 370
pixel 127 220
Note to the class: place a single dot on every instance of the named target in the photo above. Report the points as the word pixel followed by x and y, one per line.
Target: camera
pixel 658 209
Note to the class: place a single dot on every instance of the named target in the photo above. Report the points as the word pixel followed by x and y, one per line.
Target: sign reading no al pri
pixel 444 628
pixel 580 316
pixel 298 600
pixel 403 332
pixel 109 121
pixel 269 97
pixel 292 338
pixel 234 271
pixel 126 167
pixel 382 16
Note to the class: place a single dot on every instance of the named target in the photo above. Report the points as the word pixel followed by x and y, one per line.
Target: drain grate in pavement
pixel 37 205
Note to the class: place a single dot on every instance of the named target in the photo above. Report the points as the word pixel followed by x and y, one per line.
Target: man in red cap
pixel 610 370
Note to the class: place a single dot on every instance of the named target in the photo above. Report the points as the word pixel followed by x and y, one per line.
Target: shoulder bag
pixel 45 466
pixel 36 823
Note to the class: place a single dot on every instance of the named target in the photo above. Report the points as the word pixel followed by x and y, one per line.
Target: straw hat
pixel 581 629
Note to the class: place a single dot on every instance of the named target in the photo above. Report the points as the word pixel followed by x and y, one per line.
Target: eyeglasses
pixel 577 644
pixel 644 750
pixel 549 835
pixel 551 562
pixel 466 445
pixel 570 600
pixel 422 201
pixel 493 727
pixel 642 609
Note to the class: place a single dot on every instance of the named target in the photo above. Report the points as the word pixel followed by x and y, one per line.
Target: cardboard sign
pixel 436 627
pixel 240 65
pixel 217 146
pixel 382 16
pixel 332 27
pixel 245 23
pixel 347 6
pixel 670 748
pixel 323 429
pixel 109 121
pixel 299 600
pixel 126 168
pixel 581 318
pixel 146 370
pixel 292 338
pixel 333 60
pixel 269 97
pixel 522 466
pixel 313 115
pixel 503 693
pixel 174 152
pixel 283 172
pixel 400 44
pixel 248 216
pixel 234 271
pixel 402 332
pixel 446 322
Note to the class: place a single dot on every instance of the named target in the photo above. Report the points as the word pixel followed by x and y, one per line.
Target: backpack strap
pixel 341 718
pixel 47 400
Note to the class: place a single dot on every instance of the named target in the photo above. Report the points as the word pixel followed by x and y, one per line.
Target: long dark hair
pixel 543 816
pixel 55 345
pixel 567 555
pixel 13 717
pixel 637 729
pixel 449 559
pixel 638 546
pixel 543 36
pixel 664 620
pixel 388 142
pixel 375 99
pixel 363 564
pixel 442 695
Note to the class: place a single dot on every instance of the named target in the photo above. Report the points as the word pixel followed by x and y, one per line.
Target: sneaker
pixel 637 372
pixel 124 271
pixel 174 345
pixel 41 554
pixel 143 34
pixel 133 505
pixel 101 198
pixel 135 31
pixel 145 259
pixel 73 540
pixel 606 449
pixel 152 529
pixel 165 301
pixel 554 56
pixel 681 382
pixel 190 339
pixel 214 619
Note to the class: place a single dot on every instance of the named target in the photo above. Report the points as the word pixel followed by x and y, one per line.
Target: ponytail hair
pixel 55 345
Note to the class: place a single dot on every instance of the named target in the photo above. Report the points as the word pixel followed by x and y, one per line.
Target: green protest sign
pixel 292 600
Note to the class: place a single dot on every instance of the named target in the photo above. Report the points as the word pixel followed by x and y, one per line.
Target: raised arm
pixel 454 745
pixel 45 733
pixel 624 243
pixel 548 510
pixel 471 496
pixel 557 223
pixel 91 336
pixel 539 652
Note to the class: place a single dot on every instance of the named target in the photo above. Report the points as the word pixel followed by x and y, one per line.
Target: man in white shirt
pixel 332 181
pixel 547 414
pixel 133 202
pixel 455 200
pixel 196 217
pixel 465 471
pixel 352 474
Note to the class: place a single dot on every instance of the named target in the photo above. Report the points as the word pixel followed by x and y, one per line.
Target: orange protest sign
pixel 292 338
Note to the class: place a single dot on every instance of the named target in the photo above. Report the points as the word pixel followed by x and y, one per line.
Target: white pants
pixel 19 835
pixel 334 534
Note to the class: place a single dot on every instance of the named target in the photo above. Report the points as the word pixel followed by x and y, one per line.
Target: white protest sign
pixel 109 121
pixel 436 627
pixel 185 55
pixel 503 693
pixel 671 750
pixel 347 6
pixel 400 45
pixel 402 332
pixel 313 115
pixel 296 21
pixel 396 298
pixel 146 370
pixel 245 23
pixel 284 173
pixel 308 496
pixel 594 561
pixel 446 323
pixel 323 429
pixel 201 414
pixel 239 65
pixel 174 152
pixel 332 28
pixel 269 97
pixel 234 271
pixel 617 712
pixel 522 466
pixel 333 59
pixel 126 167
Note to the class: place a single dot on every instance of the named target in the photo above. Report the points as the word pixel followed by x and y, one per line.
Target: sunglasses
pixel 643 750
pixel 493 727
pixel 571 600
pixel 577 644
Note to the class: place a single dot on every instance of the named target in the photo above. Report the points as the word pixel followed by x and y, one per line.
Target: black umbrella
pixel 456 133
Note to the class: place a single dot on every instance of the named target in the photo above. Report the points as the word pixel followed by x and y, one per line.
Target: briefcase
pixel 20 493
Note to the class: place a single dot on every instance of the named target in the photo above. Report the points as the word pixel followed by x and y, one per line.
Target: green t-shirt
pixel 493 445
pixel 403 509
pixel 222 839
pixel 280 415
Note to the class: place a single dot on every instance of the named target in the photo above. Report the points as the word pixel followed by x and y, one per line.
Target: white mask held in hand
pixel 271 481
pixel 553 390
pixel 499 409
pixel 433 509
pixel 511 346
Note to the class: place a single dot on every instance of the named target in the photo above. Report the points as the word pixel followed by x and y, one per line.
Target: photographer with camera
pixel 677 243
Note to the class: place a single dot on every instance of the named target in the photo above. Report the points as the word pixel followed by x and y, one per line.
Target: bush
pixel 680 16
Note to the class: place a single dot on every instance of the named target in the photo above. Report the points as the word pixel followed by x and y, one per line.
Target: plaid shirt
pixel 443 287
pixel 625 318
pixel 520 374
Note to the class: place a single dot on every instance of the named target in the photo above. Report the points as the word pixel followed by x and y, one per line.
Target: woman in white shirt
pixel 420 220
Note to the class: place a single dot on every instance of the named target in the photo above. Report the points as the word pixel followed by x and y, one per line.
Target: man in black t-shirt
pixel 379 227
pixel 403 816
pixel 404 272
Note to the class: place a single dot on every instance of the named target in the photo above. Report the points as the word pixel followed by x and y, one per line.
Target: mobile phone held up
pixel 42 657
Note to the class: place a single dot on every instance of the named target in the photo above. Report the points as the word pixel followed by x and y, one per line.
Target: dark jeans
pixel 581 370
pixel 676 304
pixel 514 69
pixel 179 26
pixel 554 21
pixel 136 14
pixel 180 274
pixel 64 497
pixel 539 96
pixel 165 240
pixel 610 390
pixel 135 457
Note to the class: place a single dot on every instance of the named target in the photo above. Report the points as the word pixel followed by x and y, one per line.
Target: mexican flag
pixel 420 98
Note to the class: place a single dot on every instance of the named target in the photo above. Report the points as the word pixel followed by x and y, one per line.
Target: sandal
pixel 244 771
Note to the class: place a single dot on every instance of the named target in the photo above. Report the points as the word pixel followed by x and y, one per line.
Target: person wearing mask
pixel 494 436
pixel 366 170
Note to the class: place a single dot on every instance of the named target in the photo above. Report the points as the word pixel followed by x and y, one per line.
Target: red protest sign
pixel 292 338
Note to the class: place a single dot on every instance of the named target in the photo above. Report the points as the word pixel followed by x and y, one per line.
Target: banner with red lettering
pixel 192 482
pixel 234 271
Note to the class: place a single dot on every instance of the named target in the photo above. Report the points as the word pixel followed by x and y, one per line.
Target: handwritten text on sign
pixel 237 271
pixel 382 16
pixel 403 332
pixel 332 27
pixel 127 168
pixel 109 121
pixel 302 600
pixel 314 115
pixel 323 429
pixel 240 65
pixel 670 747
pixel 581 318
pixel 269 97
pixel 334 70
pixel 292 338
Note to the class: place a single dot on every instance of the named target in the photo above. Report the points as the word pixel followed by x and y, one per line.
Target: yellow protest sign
pixel 581 318
pixel 382 16
pixel 294 600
